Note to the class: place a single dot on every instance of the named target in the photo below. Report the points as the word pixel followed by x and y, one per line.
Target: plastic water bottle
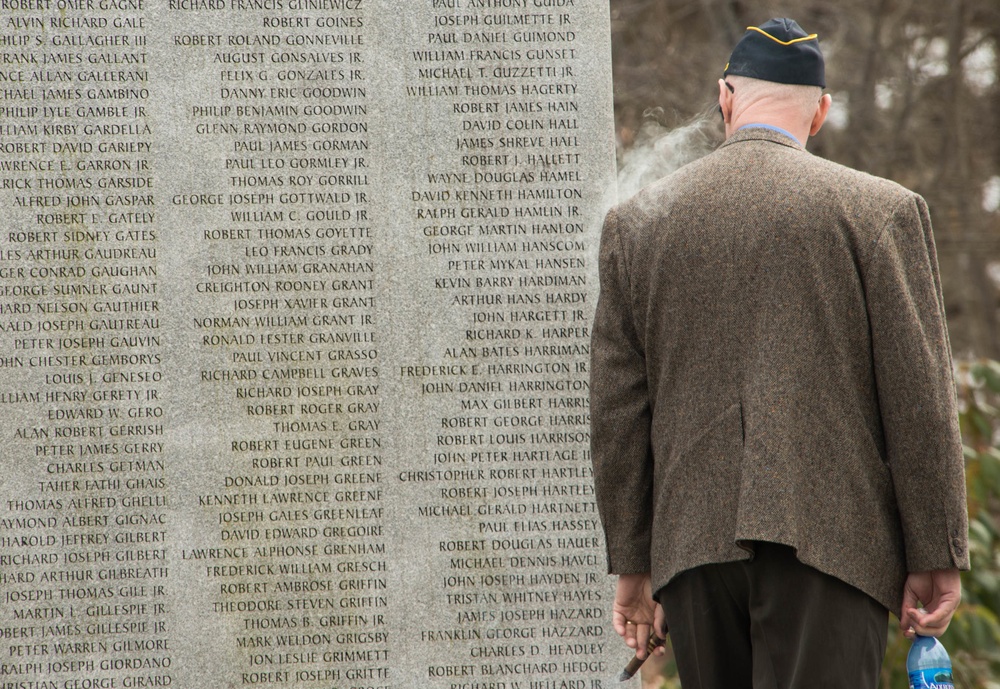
pixel 928 665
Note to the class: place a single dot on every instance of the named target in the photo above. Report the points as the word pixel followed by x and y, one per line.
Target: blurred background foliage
pixel 973 639
pixel 917 99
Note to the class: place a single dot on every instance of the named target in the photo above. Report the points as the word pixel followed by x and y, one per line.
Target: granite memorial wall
pixel 295 299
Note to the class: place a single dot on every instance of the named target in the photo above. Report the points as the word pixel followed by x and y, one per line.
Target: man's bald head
pixel 796 108
pixel 798 100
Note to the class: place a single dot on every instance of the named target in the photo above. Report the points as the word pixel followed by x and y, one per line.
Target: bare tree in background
pixel 917 99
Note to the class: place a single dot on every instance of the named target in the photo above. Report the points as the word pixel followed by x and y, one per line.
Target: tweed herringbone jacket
pixel 770 361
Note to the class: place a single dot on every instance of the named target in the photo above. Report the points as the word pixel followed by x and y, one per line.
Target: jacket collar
pixel 761 134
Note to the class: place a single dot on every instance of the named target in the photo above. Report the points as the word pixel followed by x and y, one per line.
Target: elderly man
pixel 775 439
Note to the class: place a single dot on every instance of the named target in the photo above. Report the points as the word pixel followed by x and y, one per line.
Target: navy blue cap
pixel 778 50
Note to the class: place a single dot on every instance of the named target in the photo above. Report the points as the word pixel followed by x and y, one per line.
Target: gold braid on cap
pixel 778 40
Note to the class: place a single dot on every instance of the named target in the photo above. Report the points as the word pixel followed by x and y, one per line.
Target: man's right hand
pixel 940 592
pixel 635 615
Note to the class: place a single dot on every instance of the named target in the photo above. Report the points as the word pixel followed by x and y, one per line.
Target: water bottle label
pixel 932 678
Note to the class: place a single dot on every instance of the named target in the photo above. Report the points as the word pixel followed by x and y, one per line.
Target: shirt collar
pixel 772 128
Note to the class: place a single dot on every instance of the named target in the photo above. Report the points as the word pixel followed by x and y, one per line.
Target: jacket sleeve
pixel 620 415
pixel 916 390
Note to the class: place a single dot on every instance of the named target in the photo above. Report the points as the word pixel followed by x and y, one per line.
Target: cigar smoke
pixel 658 151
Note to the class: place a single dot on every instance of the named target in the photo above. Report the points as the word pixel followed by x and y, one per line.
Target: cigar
pixel 634 664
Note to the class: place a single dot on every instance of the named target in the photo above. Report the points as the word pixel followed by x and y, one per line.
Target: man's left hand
pixel 940 592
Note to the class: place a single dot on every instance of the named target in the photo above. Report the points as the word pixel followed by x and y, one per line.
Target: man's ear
pixel 822 110
pixel 725 101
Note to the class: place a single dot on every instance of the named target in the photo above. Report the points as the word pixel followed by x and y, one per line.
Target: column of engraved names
pixel 503 228
pixel 84 537
pixel 288 326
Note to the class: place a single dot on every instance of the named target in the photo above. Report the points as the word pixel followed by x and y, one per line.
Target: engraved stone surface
pixel 295 299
